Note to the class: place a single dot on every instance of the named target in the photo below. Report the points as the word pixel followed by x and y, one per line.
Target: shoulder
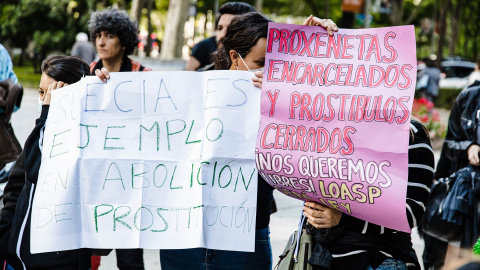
pixel 471 91
pixel 208 44
pixel 418 131
pixel 419 148
pixel 467 97
pixel 2 49
pixel 92 67
pixel 212 40
pixel 419 143
pixel 137 66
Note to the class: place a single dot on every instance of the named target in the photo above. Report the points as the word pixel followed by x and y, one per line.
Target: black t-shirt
pixel 264 203
pixel 203 51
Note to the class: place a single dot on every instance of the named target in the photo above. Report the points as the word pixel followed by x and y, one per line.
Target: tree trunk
pixel 173 37
pixel 347 20
pixel 216 6
pixel 148 47
pixel 258 5
pixel 475 37
pixel 327 8
pixel 414 14
pixel 442 27
pixel 396 15
pixel 313 6
pixel 368 7
pixel 455 27
pixel 136 10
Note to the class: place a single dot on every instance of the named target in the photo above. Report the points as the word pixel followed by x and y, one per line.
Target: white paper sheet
pixel 157 160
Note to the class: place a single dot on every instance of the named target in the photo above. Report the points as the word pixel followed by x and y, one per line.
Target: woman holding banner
pixel 115 37
pixel 356 244
pixel 15 217
pixel 244 48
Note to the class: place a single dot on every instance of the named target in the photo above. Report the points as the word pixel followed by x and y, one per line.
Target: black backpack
pixel 10 97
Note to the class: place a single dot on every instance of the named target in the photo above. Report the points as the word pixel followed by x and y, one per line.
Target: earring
pixel 236 67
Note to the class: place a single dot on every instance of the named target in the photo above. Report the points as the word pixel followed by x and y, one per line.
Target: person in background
pixel 15 217
pixel 201 57
pixel 11 93
pixel 83 49
pixel 6 66
pixel 115 37
pixel 243 48
pixel 202 54
pixel 356 244
pixel 461 148
pixel 431 75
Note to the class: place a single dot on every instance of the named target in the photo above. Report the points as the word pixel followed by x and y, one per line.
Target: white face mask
pixel 251 70
pixel 40 104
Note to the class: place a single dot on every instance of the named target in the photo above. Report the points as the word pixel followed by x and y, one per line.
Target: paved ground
pixel 282 224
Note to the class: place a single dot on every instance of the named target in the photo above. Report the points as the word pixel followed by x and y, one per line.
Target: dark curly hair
pixel 242 35
pixel 68 69
pixel 115 22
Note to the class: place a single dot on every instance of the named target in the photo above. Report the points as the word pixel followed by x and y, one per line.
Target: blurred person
pixel 201 56
pixel 115 37
pixel 15 217
pixel 461 148
pixel 474 78
pixel 430 76
pixel 6 66
pixel 243 48
pixel 11 93
pixel 346 242
pixel 83 49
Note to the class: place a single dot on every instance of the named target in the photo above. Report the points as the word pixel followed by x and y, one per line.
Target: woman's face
pixel 108 46
pixel 255 58
pixel 45 81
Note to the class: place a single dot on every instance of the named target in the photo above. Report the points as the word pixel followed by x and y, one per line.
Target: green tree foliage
pixel 50 24
pixel 322 9
pixel 468 43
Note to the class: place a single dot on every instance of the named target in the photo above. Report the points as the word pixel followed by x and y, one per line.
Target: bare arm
pixel 192 64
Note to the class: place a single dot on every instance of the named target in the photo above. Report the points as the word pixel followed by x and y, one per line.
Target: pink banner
pixel 335 118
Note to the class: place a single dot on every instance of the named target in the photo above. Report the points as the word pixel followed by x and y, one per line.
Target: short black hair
pixel 115 22
pixel 430 61
pixel 234 8
pixel 68 69
pixel 242 35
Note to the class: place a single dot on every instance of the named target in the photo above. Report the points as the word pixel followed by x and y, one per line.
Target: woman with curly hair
pixel 115 36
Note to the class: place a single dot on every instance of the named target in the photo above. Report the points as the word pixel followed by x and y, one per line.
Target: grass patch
pixel 27 77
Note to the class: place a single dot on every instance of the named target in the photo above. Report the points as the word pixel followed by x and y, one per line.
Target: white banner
pixel 155 160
